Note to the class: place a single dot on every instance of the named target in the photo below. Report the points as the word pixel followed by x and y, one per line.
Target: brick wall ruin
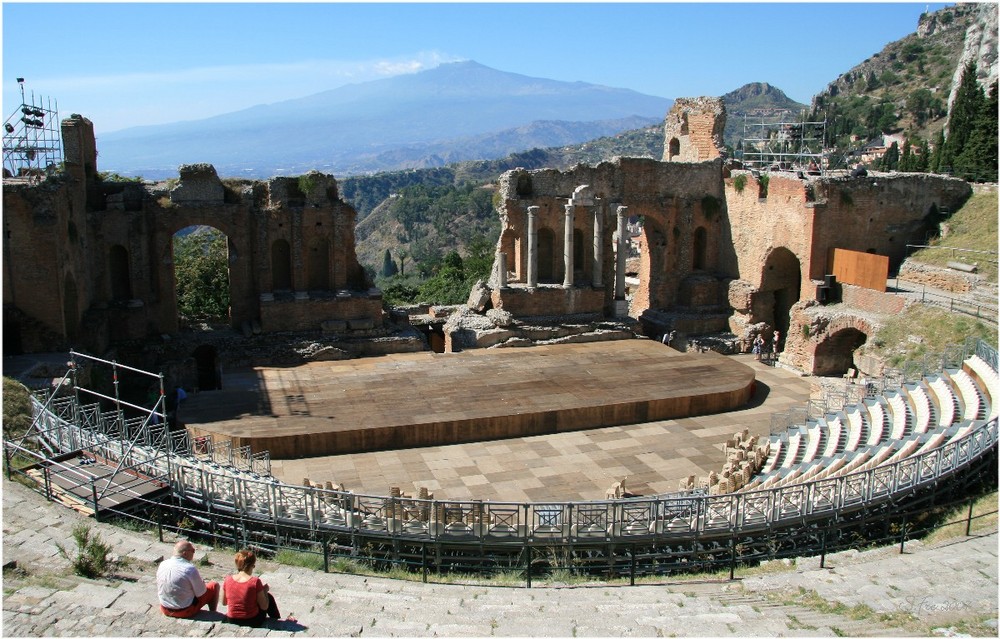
pixel 693 130
pixel 719 247
pixel 91 262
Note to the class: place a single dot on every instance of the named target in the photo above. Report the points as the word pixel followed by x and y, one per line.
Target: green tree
pixel 978 158
pixel 201 271
pixel 965 111
pixel 388 266
pixel 891 158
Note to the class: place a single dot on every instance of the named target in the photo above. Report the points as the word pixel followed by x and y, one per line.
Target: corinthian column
pixel 532 248
pixel 568 246
pixel 596 274
pixel 622 253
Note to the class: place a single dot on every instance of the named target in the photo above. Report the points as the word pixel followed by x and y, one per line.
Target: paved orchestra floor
pixel 654 454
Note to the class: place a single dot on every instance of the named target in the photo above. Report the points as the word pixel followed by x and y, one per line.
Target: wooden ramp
pixel 427 399
pixel 74 479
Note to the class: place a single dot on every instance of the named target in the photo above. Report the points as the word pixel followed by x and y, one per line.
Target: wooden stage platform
pixel 427 399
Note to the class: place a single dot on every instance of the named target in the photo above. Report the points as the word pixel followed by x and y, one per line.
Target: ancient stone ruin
pixel 691 244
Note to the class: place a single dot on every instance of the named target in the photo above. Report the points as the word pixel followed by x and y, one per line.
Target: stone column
pixel 502 272
pixel 596 274
pixel 532 248
pixel 568 246
pixel 622 253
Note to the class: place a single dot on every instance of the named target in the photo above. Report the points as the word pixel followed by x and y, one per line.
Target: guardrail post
pixel 968 519
pixel 631 569
pixel 902 536
pixel 423 561
pixel 527 569
pixel 159 521
pixel 822 551
pixel 6 461
pixel 732 558
pixel 47 482
pixel 93 492
pixel 326 553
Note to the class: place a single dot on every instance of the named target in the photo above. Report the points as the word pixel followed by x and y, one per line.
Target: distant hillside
pixel 425 212
pixel 453 112
pixel 906 86
pixel 756 100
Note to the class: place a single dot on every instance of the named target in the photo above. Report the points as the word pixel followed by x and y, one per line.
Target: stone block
pixel 199 184
pixel 361 324
pixel 333 326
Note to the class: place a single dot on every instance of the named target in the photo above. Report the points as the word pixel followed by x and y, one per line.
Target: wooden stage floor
pixel 426 399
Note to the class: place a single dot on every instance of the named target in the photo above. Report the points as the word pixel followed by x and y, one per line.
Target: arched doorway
pixel 201 256
pixel 281 266
pixel 780 284
pixel 835 354
pixel 700 249
pixel 118 268
pixel 673 148
pixel 319 265
pixel 206 359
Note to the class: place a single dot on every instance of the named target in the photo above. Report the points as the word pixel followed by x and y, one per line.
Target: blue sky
pixel 129 64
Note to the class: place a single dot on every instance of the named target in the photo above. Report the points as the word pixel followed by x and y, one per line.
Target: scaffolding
pixel 32 143
pixel 771 143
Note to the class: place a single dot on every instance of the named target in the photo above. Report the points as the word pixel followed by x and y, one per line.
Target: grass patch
pixel 860 612
pixel 974 226
pixel 299 558
pixel 983 512
pixel 922 329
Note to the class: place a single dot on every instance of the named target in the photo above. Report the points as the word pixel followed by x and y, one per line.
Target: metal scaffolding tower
pixel 771 143
pixel 31 138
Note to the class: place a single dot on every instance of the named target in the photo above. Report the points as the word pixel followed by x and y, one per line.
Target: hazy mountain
pixel 462 110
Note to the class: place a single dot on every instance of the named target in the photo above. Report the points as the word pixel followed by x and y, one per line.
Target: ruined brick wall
pixel 693 130
pixel 673 200
pixel 880 213
pixel 92 262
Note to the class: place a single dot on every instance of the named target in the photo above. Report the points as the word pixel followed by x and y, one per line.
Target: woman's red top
pixel 241 598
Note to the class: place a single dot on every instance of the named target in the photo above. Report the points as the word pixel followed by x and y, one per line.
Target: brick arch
pixel 654 275
pixel 780 287
pixel 834 353
pixel 234 281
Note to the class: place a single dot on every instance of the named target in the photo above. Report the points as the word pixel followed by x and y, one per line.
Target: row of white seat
pixel 883 429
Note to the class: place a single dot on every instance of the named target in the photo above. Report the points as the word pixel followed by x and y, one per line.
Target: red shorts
pixel 211 595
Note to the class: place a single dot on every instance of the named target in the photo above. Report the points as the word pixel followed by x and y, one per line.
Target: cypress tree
pixel 965 112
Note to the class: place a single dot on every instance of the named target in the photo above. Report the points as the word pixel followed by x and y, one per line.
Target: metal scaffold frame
pixel 771 143
pixel 32 144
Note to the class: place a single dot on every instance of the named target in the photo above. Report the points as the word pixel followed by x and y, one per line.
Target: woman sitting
pixel 247 599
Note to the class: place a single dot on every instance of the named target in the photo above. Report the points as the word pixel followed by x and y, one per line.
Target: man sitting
pixel 179 585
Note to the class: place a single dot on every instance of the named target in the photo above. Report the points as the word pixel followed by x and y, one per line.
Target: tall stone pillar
pixel 622 253
pixel 502 273
pixel 532 248
pixel 568 246
pixel 597 274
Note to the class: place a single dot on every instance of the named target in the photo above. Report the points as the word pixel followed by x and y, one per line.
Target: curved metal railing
pixel 259 500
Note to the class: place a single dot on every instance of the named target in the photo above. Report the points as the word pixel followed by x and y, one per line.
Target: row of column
pixel 596 277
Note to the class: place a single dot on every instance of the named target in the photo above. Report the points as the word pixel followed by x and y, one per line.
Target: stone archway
pixel 202 258
pixel 781 281
pixel 206 359
pixel 834 355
